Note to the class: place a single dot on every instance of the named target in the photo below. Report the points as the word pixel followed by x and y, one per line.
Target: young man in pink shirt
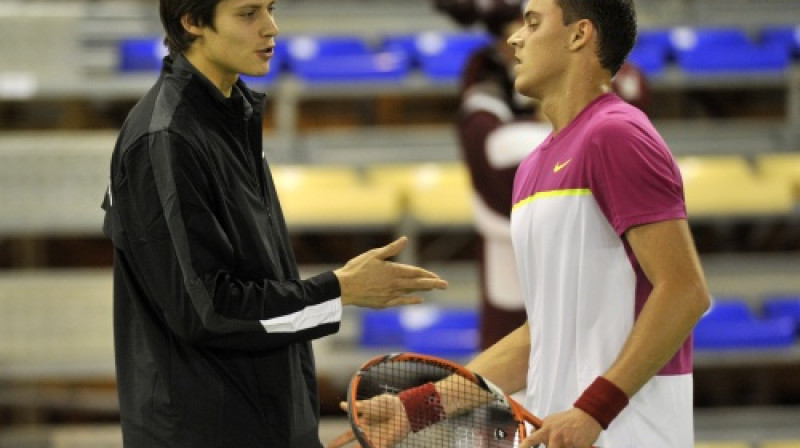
pixel 609 273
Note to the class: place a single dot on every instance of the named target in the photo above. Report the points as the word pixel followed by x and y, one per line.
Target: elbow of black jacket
pixel 196 332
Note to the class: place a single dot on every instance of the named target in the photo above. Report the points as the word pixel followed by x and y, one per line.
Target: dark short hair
pixel 615 21
pixel 201 13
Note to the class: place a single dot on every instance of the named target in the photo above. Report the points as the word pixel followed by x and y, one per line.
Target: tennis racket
pixel 382 415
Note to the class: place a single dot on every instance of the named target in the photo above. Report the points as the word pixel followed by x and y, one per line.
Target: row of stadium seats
pixel 718 49
pixel 440 56
pixel 438 194
pixel 730 324
pixel 338 58
pixel 718 186
pixel 434 194
pixel 59 192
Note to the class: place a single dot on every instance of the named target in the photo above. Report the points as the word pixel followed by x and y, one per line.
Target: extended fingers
pixel 410 271
pixel 411 278
pixel 359 406
pixel 391 249
pixel 405 286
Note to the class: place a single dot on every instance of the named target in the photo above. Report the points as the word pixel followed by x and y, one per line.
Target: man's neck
pixel 223 82
pixel 576 92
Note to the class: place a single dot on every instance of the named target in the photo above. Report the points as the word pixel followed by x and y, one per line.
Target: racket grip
pixel 423 406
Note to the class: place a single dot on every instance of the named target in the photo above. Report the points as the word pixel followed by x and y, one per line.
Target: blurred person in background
pixel 497 127
pixel 212 323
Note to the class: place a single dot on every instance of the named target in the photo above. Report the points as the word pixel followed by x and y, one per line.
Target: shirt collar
pixel 250 101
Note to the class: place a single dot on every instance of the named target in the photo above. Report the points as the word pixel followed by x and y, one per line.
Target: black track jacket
pixel 211 321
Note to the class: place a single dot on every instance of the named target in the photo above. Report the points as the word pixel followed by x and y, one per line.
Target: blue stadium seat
pixel 660 36
pixel 343 59
pixel 443 55
pixel 729 309
pixel 381 329
pixel 786 35
pixel 756 334
pixel 378 67
pixel 656 37
pixel 783 306
pixel 715 50
pixel 653 50
pixel 405 43
pixel 730 324
pixel 688 38
pixel 651 58
pixel 310 47
pixel 744 58
pixel 442 332
pixel 141 54
pixel 422 329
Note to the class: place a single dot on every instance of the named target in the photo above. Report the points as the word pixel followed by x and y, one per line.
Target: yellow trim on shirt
pixel 553 193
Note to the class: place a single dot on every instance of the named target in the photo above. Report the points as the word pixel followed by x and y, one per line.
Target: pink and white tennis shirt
pixel 574 198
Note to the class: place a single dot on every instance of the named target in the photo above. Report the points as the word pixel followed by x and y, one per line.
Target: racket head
pixel 499 422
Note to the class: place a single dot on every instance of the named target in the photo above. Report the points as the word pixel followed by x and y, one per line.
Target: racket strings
pixel 480 419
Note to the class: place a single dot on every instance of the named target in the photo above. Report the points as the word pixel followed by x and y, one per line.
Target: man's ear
pixel 583 32
pixel 191 26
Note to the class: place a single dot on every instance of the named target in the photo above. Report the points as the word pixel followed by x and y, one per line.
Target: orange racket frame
pixel 521 416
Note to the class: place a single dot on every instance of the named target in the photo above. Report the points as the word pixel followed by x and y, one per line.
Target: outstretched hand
pixel 370 280
pixel 384 422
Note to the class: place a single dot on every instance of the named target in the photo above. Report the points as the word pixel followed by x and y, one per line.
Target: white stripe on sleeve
pixel 313 316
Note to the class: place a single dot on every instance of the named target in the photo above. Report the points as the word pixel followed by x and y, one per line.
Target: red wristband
pixel 423 406
pixel 603 400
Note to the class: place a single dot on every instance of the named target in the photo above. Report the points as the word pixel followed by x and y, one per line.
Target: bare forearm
pixel 663 325
pixel 679 298
pixel 506 362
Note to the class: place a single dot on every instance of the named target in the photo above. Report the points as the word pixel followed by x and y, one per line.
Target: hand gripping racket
pixel 399 400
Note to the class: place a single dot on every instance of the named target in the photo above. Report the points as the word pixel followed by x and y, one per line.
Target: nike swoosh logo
pixel 561 166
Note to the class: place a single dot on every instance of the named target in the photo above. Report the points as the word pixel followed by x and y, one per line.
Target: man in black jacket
pixel 212 322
